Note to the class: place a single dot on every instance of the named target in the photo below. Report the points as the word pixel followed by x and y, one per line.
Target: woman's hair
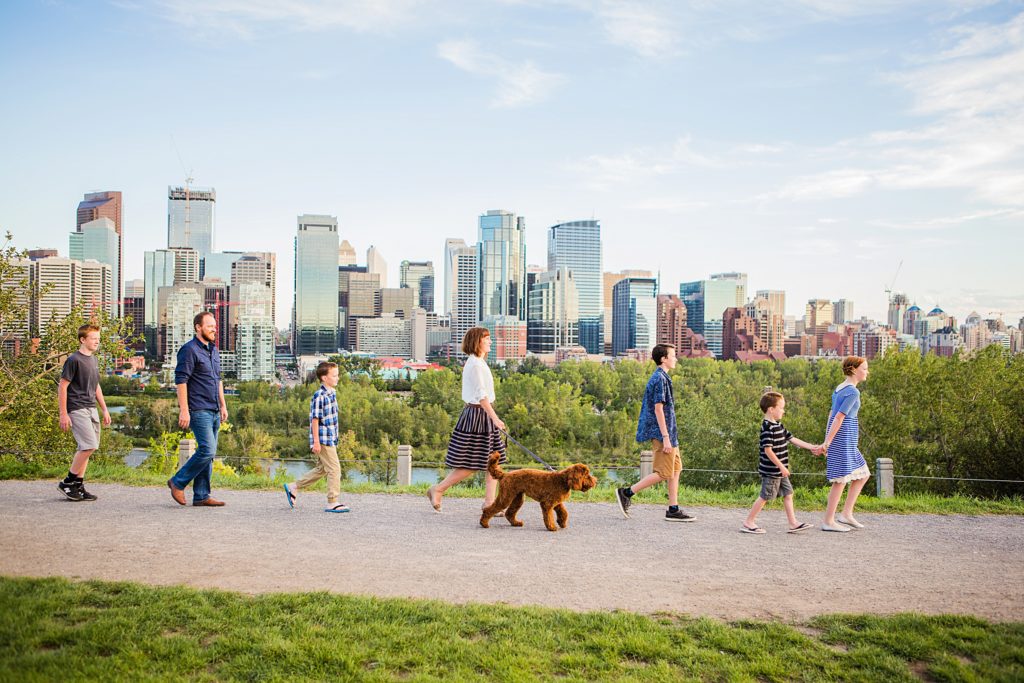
pixel 471 342
pixel 769 399
pixel 851 363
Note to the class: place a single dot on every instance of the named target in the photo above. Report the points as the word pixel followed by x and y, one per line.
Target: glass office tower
pixel 577 246
pixel 634 314
pixel 315 313
pixel 190 218
pixel 502 265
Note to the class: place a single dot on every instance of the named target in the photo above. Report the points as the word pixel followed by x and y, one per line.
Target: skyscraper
pixel 554 312
pixel 776 299
pixel 186 265
pixel 419 277
pixel 502 264
pixel 376 265
pixel 315 311
pixel 61 284
pixel 898 304
pixel 96 205
pixel 465 311
pixel 740 280
pixel 259 267
pixel 190 218
pixel 346 254
pixel 634 314
pixel 842 311
pixel 253 330
pixel 450 245
pixel 671 321
pixel 577 246
pixel 158 272
pixel 609 281
pixel 817 319
pixel 97 240
pixel 706 301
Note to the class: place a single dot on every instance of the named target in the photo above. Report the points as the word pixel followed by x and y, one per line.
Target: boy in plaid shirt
pixel 323 440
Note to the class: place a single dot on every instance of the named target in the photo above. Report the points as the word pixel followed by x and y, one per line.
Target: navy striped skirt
pixel 474 439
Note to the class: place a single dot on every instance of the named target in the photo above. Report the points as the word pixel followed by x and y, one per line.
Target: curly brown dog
pixel 550 489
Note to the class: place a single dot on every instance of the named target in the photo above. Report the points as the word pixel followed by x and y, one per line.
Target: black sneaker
pixel 624 501
pixel 72 491
pixel 678 516
pixel 85 494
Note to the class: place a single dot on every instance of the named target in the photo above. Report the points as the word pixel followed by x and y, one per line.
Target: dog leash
pixel 509 437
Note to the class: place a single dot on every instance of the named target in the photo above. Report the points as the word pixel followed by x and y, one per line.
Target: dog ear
pixel 577 476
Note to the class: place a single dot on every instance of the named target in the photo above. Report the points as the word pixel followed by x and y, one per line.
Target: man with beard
pixel 201 406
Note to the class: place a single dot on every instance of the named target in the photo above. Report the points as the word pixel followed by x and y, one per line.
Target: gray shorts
pixel 775 486
pixel 85 425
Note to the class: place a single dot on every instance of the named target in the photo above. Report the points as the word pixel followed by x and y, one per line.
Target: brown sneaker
pixel 177 494
pixel 209 502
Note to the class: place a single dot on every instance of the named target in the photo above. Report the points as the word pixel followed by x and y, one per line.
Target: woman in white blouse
pixel 478 432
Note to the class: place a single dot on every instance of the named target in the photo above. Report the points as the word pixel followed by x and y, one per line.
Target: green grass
pixel 53 629
pixel 806 497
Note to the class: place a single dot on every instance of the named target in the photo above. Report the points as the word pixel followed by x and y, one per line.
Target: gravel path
pixel 395 545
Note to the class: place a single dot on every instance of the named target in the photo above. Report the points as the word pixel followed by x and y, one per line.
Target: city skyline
pixel 813 145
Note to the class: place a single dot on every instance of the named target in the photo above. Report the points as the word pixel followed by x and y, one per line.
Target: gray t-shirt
pixel 83 373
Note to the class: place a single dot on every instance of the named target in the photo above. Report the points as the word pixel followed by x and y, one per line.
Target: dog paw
pixel 516 523
pixel 484 523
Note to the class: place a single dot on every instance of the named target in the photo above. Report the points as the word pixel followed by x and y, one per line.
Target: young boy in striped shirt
pixel 773 464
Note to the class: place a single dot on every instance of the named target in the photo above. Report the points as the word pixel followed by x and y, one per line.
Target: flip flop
pixel 756 530
pixel 340 507
pixel 803 527
pixel 430 497
pixel 291 496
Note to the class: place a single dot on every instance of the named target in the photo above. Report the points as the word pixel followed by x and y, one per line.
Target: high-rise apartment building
pixel 671 321
pixel 898 304
pixel 502 264
pixel 135 308
pixel 419 277
pixel 740 334
pixel 390 335
pixel 315 310
pixel 553 312
pixel 776 299
pixel 842 311
pixel 178 305
pixel 465 293
pixel 609 280
pixel 258 267
pixel 186 265
pixel 158 272
pixel 817 318
pixel 450 245
pixel 376 265
pixel 60 284
pixel 98 241
pixel 109 205
pixel 706 301
pixel 576 245
pixel 634 315
pixel 16 328
pixel 215 300
pixel 396 301
pixel 253 330
pixel 190 218
pixel 771 325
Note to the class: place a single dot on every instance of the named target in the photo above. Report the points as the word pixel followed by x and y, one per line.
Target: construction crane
pixel 888 290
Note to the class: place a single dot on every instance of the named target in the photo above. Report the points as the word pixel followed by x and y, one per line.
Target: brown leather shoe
pixel 209 502
pixel 177 494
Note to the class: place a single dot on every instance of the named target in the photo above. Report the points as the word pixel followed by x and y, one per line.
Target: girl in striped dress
pixel 477 433
pixel 846 464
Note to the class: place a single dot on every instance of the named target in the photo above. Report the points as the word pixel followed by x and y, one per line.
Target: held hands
pixel 820 449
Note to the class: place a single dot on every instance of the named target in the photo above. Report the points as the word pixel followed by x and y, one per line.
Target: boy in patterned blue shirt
pixel 658 425
pixel 323 440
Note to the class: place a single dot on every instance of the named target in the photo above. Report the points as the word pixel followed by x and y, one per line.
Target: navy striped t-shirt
pixel 776 436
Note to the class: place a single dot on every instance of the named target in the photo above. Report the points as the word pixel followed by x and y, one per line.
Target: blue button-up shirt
pixel 659 390
pixel 323 408
pixel 199 369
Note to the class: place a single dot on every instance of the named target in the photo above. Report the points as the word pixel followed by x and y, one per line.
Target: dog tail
pixel 493 468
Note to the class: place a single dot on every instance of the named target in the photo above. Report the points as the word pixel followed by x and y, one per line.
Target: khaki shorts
pixel 667 463
pixel 772 487
pixel 85 426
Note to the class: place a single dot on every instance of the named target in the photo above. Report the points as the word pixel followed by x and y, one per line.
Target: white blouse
pixel 477 381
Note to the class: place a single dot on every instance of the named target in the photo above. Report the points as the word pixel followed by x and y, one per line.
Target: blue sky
pixel 813 144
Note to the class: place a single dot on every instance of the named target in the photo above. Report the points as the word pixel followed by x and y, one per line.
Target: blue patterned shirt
pixel 659 390
pixel 324 408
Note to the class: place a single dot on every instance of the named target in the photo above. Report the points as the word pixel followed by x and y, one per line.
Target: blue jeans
pixel 205 424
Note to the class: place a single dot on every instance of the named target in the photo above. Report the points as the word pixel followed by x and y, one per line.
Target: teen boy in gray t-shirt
pixel 77 396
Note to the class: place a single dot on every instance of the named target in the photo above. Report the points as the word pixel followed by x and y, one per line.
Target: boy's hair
pixel 851 363
pixel 770 399
pixel 471 342
pixel 323 368
pixel 198 320
pixel 660 351
pixel 85 329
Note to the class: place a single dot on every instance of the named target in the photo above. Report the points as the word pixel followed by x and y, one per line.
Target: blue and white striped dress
pixel 845 461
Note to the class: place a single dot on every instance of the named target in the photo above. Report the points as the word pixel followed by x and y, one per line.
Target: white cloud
pixel 642 27
pixel 519 84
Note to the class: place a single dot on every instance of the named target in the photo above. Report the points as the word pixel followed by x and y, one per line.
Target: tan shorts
pixel 667 463
pixel 85 426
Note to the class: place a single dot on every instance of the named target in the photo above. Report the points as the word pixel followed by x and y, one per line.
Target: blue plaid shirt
pixel 324 408
pixel 659 390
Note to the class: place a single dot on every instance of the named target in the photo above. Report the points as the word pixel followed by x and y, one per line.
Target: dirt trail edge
pixel 396 546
